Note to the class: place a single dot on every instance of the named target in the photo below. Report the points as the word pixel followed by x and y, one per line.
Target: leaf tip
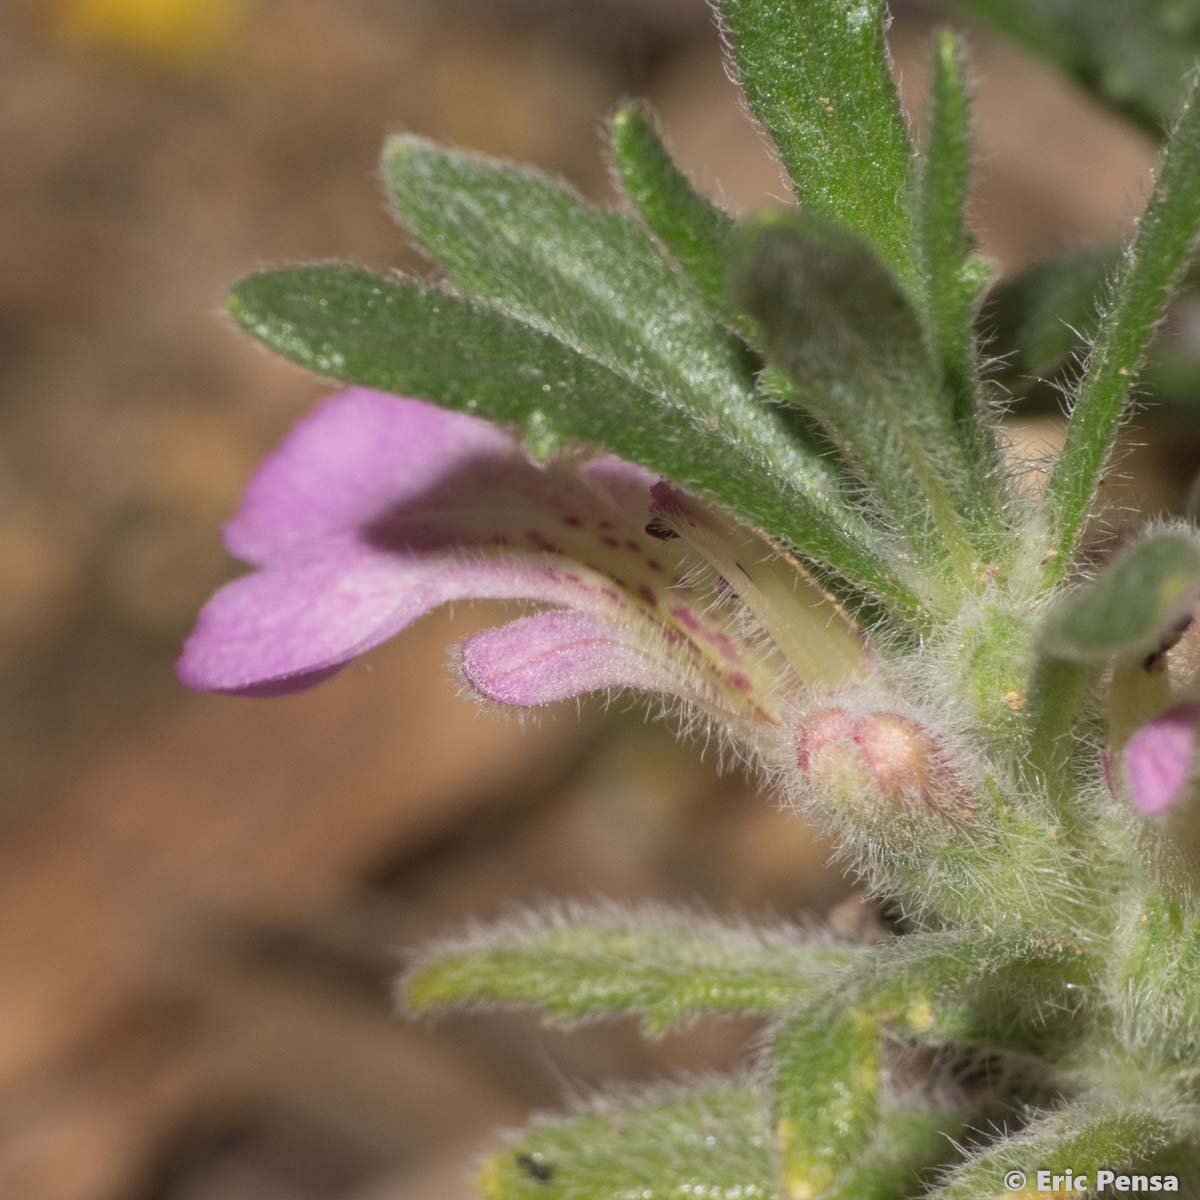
pixel 420 990
pixel 627 115
pixel 948 50
pixel 401 147
pixel 631 126
pixel 237 301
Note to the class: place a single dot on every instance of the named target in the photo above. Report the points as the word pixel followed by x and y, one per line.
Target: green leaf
pixel 713 1144
pixel 826 1071
pixel 598 282
pixel 1152 270
pixel 909 1146
pixel 854 353
pixel 966 985
pixel 1058 692
pixel 1041 321
pixel 696 233
pixel 594 280
pixel 1093 1134
pixel 1157 978
pixel 1131 605
pixel 664 965
pixel 408 338
pixel 1134 57
pixel 815 73
pixel 955 275
pixel 1043 316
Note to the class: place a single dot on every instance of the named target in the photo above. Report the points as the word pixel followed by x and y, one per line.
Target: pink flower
pixel 1159 760
pixel 377 509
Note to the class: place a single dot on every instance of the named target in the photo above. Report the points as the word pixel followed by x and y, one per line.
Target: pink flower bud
pixel 901 755
pixel 880 752
pixel 820 728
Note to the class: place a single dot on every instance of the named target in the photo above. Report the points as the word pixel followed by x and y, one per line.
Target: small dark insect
pixel 536 1167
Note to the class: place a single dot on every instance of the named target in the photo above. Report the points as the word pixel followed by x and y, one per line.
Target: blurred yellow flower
pixel 178 32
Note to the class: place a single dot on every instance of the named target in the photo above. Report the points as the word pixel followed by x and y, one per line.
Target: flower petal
pixel 1158 759
pixel 556 655
pixel 376 509
pixel 357 456
pixel 366 460
pixel 286 628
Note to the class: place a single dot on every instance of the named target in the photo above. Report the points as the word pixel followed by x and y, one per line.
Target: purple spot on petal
pixel 685 617
pixel 542 542
pixel 740 681
pixel 573 522
pixel 609 540
pixel 654 564
pixel 647 594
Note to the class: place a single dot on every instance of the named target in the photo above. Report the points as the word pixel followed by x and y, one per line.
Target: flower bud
pixel 900 754
pixel 881 754
pixel 824 727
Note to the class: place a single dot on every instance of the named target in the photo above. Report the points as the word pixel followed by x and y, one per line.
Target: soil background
pixel 203 901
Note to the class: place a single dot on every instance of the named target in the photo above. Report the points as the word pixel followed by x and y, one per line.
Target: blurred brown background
pixel 202 900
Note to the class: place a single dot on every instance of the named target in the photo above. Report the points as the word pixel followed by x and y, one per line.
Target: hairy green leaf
pixel 1134 57
pixel 1094 1133
pixel 663 965
pixel 598 282
pixel 401 336
pixel 1157 979
pixel 909 1146
pixel 1058 692
pixel 713 1144
pixel 815 73
pixel 1044 315
pixel 594 280
pixel 955 275
pixel 826 1072
pixel 853 350
pixel 697 233
pixel 1153 268
pixel 971 986
pixel 1131 605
